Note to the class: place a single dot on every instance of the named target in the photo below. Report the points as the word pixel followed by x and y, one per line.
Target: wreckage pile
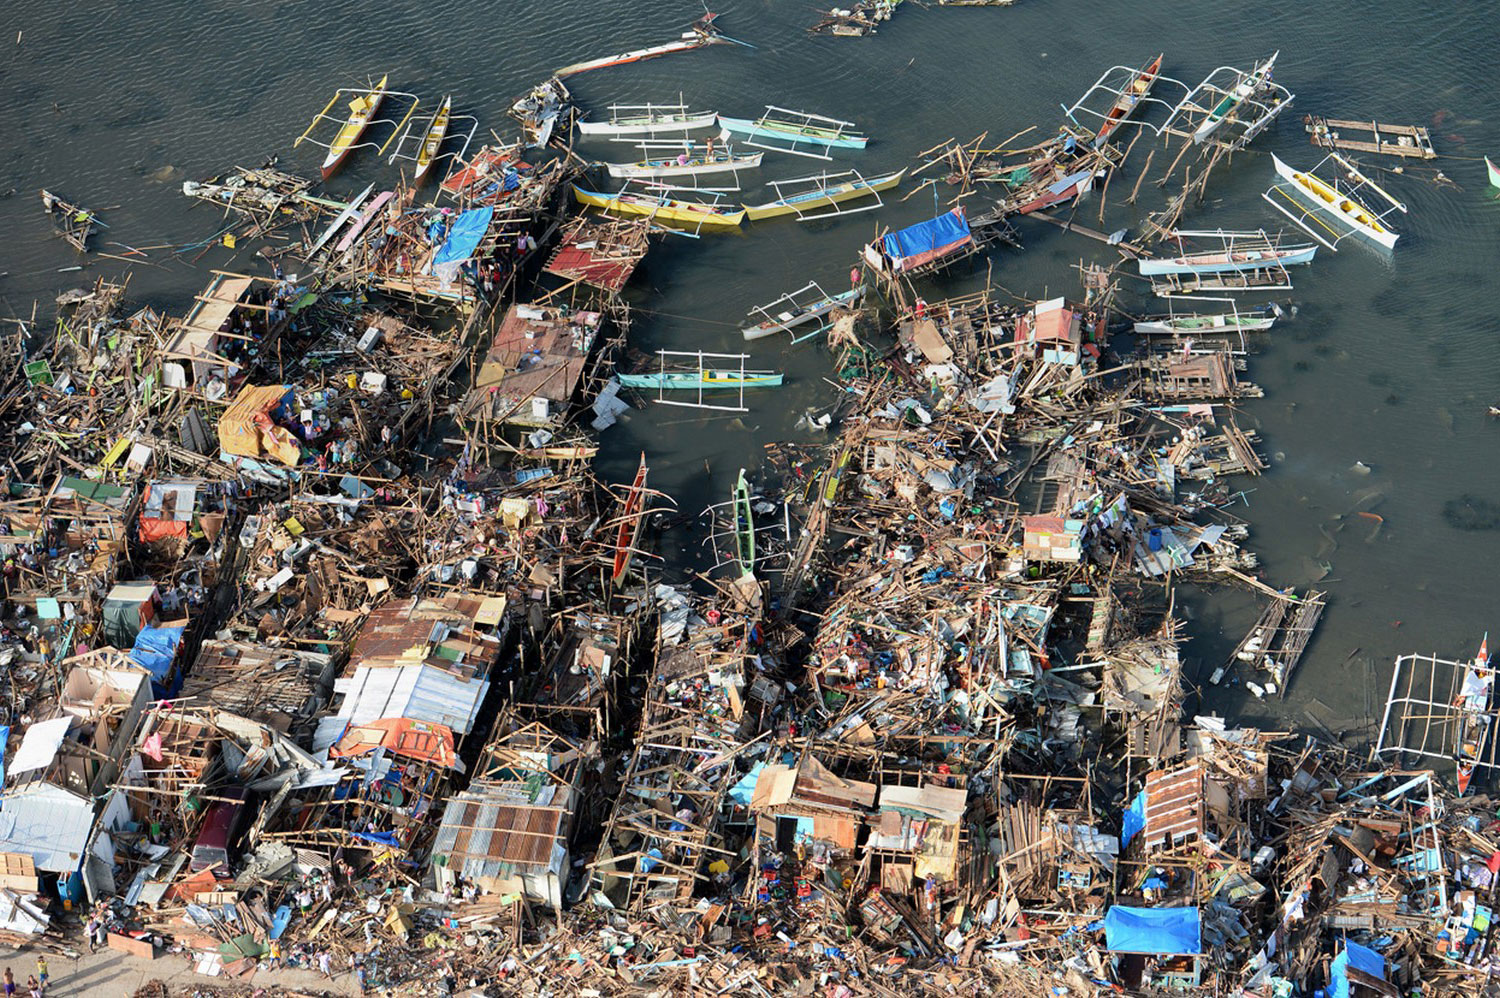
pixel 325 646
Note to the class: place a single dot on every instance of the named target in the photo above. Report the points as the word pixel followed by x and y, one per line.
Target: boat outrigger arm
pixel 340 122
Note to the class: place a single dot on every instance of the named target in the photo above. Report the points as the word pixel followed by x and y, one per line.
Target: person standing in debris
pixel 275 960
pixel 325 964
pixel 41 971
pixel 10 983
pixel 90 930
pixel 854 276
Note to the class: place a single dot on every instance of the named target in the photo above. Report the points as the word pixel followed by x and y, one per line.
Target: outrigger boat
pixel 630 523
pixel 797 127
pixel 1204 325
pixel 1476 714
pixel 823 195
pixel 1221 111
pixel 1494 172
pixel 796 307
pixel 1219 261
pixel 701 379
pixel 437 130
pixel 1341 204
pixel 744 526
pixel 692 162
pixel 1129 100
pixel 648 119
pixel 74 224
pixel 658 207
pixel 361 112
pixel 702 33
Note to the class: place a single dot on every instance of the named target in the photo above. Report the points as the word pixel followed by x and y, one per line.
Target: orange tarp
pixel 400 736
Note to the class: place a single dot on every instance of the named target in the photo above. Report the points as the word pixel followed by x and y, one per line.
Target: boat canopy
pixel 1156 931
pixel 927 241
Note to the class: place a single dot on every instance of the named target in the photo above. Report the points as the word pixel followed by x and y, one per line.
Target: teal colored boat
pixel 796 127
pixel 744 526
pixel 699 380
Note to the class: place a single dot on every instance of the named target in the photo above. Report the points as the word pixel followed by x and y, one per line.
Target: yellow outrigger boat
pixel 667 210
pixel 361 112
pixel 822 197
pixel 1343 206
pixel 437 130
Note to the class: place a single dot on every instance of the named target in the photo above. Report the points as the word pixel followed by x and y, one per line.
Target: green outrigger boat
pixel 696 380
pixel 744 526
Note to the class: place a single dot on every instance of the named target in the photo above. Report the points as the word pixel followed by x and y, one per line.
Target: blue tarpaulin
pixel 1361 958
pixel 468 229
pixel 1134 820
pixel 1157 931
pixel 155 647
pixel 381 838
pixel 742 791
pixel 924 238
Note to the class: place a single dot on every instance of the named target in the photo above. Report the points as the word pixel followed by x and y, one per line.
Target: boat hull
pixel 1494 172
pixel 792 133
pixel 670 213
pixel 1128 104
pixel 821 199
pixel 710 381
pixel 349 135
pixel 1206 264
pixel 1203 325
pixel 670 168
pixel 815 311
pixel 1335 205
pixel 433 140
pixel 649 126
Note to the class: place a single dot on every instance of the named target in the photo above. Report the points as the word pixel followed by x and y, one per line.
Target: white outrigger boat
pixel 796 307
pixel 1226 106
pixel 649 119
pixel 1227 323
pixel 1337 199
pixel 1476 714
pixel 692 160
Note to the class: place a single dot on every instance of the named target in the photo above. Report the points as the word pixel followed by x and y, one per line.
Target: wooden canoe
pixel 744 526
pixel 1130 100
pixel 437 130
pixel 630 523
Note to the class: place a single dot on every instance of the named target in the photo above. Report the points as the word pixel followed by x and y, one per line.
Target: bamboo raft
pixel 1411 141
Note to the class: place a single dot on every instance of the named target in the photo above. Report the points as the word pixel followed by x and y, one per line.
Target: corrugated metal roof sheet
pixel 49 824
pixel 418 692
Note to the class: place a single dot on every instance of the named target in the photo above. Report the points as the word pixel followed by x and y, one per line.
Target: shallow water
pixel 1388 361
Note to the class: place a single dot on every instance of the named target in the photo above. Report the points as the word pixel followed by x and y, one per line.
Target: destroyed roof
pixel 420 692
pixel 490 826
pixel 49 824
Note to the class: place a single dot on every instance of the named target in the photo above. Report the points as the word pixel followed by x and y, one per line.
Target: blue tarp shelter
pixel 1134 819
pixel 926 241
pixel 1155 931
pixel 1362 959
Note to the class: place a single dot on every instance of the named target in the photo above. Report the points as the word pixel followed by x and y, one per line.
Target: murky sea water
pixel 1387 363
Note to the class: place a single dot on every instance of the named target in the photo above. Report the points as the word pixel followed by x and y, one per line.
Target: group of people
pixel 36 984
